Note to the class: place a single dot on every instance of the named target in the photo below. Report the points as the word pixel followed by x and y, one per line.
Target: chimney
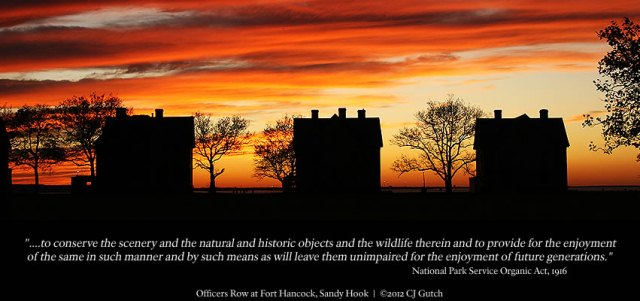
pixel 314 114
pixel 121 112
pixel 497 114
pixel 544 114
pixel 362 114
pixel 159 113
pixel 342 113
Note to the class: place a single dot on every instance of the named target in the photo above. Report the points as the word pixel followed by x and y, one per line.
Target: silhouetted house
pixel 145 154
pixel 5 172
pixel 520 154
pixel 337 154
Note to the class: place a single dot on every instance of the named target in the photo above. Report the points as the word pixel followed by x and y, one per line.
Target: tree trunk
pixel 447 185
pixel 92 167
pixel 448 178
pixel 212 182
pixel 37 179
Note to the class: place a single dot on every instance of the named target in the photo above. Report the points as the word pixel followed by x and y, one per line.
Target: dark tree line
pixel 42 136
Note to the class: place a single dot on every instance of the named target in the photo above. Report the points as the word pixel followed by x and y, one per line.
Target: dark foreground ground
pixel 572 205
pixel 432 216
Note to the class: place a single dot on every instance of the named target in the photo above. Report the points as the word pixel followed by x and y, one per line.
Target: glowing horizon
pixel 264 59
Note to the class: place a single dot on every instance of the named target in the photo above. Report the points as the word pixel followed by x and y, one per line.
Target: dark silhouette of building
pixel 145 154
pixel 82 184
pixel 337 154
pixel 5 172
pixel 520 154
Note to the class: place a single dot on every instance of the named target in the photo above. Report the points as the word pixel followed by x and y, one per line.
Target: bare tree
pixel 442 134
pixel 275 157
pixel 82 121
pixel 35 139
pixel 226 136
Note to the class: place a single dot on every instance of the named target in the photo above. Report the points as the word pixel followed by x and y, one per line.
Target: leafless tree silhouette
pixel 226 136
pixel 35 139
pixel 442 134
pixel 82 121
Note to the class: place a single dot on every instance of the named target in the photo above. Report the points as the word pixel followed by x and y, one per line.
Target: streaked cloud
pixel 114 18
pixel 261 58
pixel 124 72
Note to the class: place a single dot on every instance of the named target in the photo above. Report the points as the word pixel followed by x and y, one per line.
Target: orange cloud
pixel 268 57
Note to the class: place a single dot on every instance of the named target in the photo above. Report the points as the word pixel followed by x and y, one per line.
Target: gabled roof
pixel 521 130
pixel 178 130
pixel 324 131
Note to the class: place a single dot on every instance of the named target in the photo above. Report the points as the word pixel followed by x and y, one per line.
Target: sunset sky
pixel 264 59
